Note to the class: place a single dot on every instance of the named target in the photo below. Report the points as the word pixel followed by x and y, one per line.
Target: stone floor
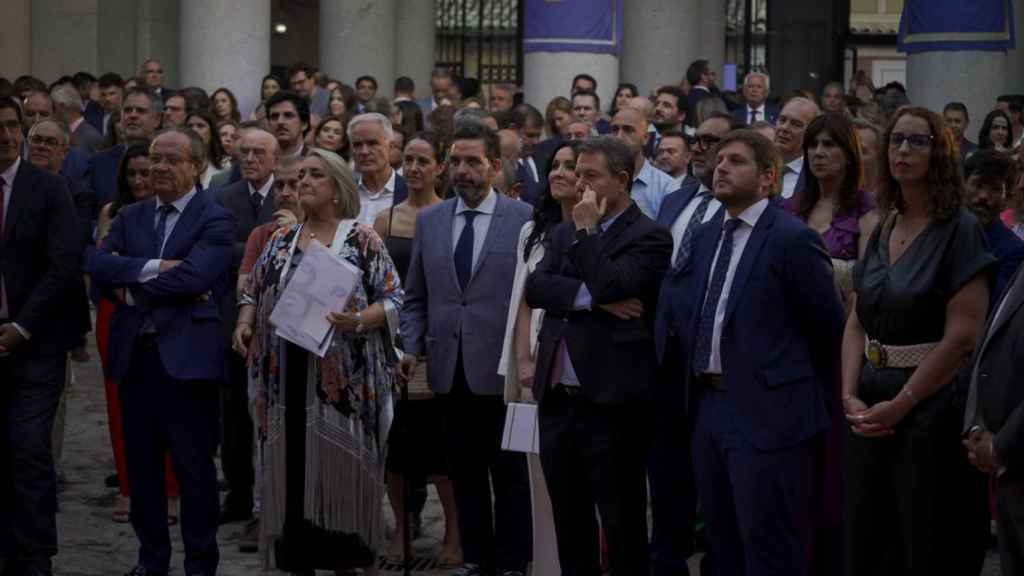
pixel 91 544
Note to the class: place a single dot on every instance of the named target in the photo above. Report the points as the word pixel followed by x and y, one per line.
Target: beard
pixel 470 193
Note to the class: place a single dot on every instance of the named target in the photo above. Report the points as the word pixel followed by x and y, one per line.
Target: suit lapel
pixel 184 222
pixel 610 238
pixel 1014 299
pixel 445 230
pixel 21 186
pixel 750 253
pixel 702 253
pixel 147 215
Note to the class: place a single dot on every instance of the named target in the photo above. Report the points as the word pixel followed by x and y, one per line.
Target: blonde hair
pixel 346 193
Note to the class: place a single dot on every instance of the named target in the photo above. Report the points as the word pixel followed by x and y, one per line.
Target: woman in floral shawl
pixel 323 422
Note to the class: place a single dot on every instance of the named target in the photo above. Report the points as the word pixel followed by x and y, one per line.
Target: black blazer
pixel 236 199
pixel 86 209
pixel 40 257
pixel 614 359
pixel 999 358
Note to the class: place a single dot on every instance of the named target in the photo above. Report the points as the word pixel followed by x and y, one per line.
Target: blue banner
pixel 944 25
pixel 593 26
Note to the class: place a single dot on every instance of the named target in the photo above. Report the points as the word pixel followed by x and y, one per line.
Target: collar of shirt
pixel 389 187
pixel 644 176
pixel 264 190
pixel 74 125
pixel 486 206
pixel 796 165
pixel 298 153
pixel 180 203
pixel 611 220
pixel 752 214
pixel 759 110
pixel 703 189
pixel 9 174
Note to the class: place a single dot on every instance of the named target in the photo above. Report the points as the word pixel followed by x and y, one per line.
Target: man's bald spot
pixel 803 107
pixel 643 104
pixel 632 115
pixel 261 136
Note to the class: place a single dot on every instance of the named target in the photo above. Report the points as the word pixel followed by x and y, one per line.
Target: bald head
pixel 643 104
pixel 257 151
pixel 630 125
pixel 791 125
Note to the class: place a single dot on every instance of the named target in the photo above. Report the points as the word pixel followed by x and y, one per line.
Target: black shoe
pixel 229 514
pixel 111 481
pixel 249 541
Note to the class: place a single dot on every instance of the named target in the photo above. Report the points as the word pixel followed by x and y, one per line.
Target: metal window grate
pixel 481 39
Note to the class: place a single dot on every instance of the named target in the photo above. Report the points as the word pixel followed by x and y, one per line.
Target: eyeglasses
pixel 707 141
pixel 39 142
pixel 915 141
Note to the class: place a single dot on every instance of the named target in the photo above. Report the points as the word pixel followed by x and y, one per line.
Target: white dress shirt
pixel 373 203
pixel 679 226
pixel 6 191
pixel 750 216
pixel 760 113
pixel 264 190
pixel 791 175
pixel 481 223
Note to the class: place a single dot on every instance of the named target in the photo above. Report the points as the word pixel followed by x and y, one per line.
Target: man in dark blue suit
pixel 759 328
pixel 988 175
pixel 40 251
pixel 167 258
pixel 756 108
pixel 140 120
pixel 701 77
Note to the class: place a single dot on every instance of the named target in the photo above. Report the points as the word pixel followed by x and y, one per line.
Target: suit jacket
pixel 183 302
pixel 236 199
pixel 40 256
pixel 226 178
pixel 401 191
pixel 742 115
pixel 676 202
pixel 1009 249
pixel 93 114
pixel 781 337
pixel 543 152
pixel 441 320
pixel 86 211
pixel 86 138
pixel 613 359
pixel 692 99
pixel 76 165
pixel 531 186
pixel 997 364
pixel 101 175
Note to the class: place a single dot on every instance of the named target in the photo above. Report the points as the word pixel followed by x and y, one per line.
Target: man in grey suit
pixel 67 103
pixel 457 296
pixel 994 419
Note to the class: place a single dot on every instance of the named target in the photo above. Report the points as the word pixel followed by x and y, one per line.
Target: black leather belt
pixel 710 380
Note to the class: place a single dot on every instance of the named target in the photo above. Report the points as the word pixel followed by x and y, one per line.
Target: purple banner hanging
pixel 593 26
pixel 944 25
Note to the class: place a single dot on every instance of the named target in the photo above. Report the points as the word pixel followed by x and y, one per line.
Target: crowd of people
pixel 778 329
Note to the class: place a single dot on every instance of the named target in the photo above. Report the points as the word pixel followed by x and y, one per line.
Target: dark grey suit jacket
pixel 86 138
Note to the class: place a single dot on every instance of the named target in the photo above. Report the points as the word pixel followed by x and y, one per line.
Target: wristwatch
pixel 360 328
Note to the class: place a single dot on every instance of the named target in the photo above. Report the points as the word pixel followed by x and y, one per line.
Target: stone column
pixel 358 37
pixel 157 36
pixel 1015 58
pixel 64 37
pixel 16 41
pixel 659 40
pixel 712 35
pixel 415 25
pixel 226 43
pixel 973 77
pixel 117 26
pixel 550 74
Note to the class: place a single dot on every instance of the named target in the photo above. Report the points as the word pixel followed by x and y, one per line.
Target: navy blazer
pixel 182 302
pixel 741 114
pixel 1009 249
pixel 676 202
pixel 101 175
pixel 782 333
pixel 93 114
pixel 76 165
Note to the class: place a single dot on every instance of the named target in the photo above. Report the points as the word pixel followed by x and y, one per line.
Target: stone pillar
pixel 659 40
pixel 415 25
pixel 116 35
pixel 16 41
pixel 64 37
pixel 973 77
pixel 358 37
pixel 550 74
pixel 226 43
pixel 712 35
pixel 157 36
pixel 1015 57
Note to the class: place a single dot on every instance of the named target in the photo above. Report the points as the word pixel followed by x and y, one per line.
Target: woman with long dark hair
pixel 995 132
pixel 553 206
pixel 224 105
pixel 919 303
pixel 216 161
pixel 623 94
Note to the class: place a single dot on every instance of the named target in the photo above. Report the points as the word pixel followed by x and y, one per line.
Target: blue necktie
pixel 165 210
pixel 695 220
pixel 464 250
pixel 702 355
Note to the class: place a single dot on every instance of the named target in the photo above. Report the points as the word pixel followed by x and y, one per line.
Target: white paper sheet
pixel 521 431
pixel 322 283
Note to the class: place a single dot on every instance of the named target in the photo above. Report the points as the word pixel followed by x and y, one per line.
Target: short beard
pixel 470 194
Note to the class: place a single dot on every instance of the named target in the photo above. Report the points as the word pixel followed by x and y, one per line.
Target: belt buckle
pixel 877 354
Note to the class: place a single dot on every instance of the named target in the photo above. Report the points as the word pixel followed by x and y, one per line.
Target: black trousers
pixel 673 492
pixel 596 454
pixel 30 388
pixel 237 436
pixel 494 536
pixel 162 414
pixel 1009 493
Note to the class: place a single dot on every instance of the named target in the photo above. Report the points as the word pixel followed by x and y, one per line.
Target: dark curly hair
pixel 842 131
pixel 945 176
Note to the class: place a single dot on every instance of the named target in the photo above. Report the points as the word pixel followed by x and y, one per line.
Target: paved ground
pixel 93 545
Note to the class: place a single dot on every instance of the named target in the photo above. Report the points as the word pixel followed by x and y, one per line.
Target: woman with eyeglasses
pixel 132 186
pixel 919 304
